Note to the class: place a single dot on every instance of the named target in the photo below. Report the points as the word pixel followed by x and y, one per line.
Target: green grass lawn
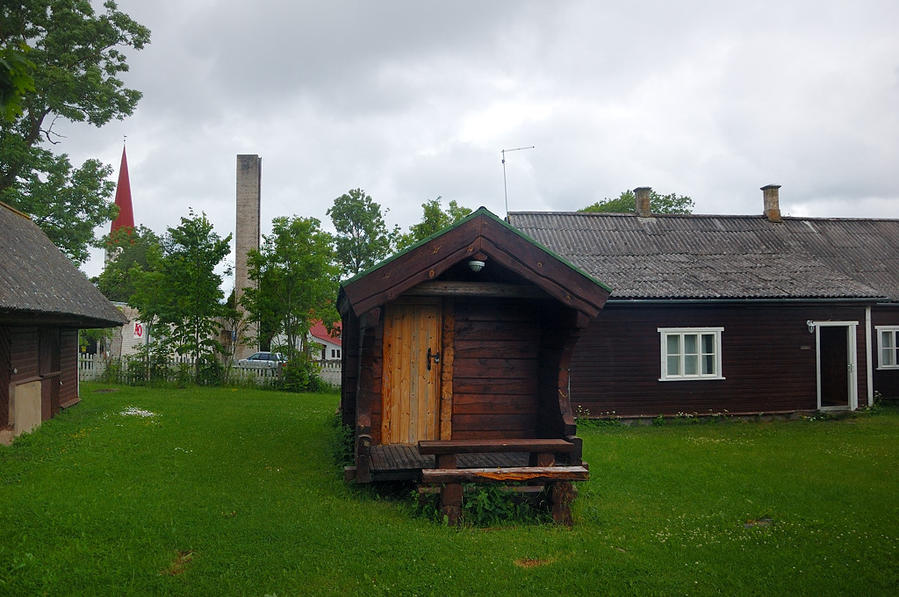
pixel 235 492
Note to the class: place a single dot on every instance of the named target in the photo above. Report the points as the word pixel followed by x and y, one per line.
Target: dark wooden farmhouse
pixel 455 362
pixel 44 300
pixel 731 314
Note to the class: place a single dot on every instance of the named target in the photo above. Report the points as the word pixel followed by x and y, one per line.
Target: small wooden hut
pixel 44 300
pixel 455 362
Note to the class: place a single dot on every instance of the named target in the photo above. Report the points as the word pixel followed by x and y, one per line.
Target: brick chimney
pixel 642 202
pixel 772 202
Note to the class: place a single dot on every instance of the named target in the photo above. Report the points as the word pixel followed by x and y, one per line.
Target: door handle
pixel 435 356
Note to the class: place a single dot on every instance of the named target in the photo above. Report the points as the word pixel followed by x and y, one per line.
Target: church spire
pixel 123 198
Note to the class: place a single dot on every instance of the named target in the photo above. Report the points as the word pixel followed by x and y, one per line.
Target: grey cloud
pixel 411 100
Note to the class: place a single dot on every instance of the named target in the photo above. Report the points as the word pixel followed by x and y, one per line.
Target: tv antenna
pixel 505 189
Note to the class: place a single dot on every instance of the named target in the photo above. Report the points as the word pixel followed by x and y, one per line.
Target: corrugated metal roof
pixel 735 257
pixel 36 278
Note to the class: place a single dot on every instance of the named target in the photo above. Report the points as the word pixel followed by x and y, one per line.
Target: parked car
pixel 263 360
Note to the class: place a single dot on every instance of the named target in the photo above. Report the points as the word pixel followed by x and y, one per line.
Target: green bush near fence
pixel 298 375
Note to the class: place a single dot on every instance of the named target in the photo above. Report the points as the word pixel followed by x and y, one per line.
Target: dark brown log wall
pixel 47 353
pixel 886 381
pixel 68 364
pixel 768 360
pixel 24 351
pixel 371 358
pixel 5 371
pixel 495 377
pixel 349 372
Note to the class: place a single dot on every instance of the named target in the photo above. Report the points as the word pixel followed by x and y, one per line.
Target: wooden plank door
pixel 410 387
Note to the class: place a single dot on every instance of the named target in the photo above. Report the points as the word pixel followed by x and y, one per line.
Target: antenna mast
pixel 505 189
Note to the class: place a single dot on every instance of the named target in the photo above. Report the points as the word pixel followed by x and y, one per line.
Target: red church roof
pixel 123 198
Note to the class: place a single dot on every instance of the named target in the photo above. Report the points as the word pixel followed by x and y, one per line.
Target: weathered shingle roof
pixel 38 282
pixel 709 257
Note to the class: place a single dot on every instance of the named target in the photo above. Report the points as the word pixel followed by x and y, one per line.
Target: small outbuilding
pixel 44 300
pixel 456 355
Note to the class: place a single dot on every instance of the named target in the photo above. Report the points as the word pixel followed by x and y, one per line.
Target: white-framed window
pixel 690 353
pixel 887 346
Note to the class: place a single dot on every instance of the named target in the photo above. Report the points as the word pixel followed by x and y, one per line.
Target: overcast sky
pixel 411 100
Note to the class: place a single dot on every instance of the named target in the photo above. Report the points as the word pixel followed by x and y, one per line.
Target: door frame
pixel 851 361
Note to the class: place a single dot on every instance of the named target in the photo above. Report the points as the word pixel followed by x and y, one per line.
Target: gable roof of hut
pixel 479 233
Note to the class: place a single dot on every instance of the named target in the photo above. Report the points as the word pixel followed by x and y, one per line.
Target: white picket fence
pixel 91 367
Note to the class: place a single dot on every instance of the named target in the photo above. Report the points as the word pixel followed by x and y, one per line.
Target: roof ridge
pixel 687 216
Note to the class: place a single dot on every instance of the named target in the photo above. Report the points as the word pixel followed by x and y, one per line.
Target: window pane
pixel 888 356
pixel 690 344
pixel 708 343
pixel 673 365
pixel 690 364
pixel 887 339
pixel 708 364
pixel 673 343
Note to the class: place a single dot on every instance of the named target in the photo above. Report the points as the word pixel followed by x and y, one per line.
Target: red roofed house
pixel 330 342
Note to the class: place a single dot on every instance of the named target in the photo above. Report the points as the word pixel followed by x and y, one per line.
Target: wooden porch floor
pixel 400 462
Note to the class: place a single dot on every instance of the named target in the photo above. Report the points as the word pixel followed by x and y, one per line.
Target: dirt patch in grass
pixel 532 562
pixel 179 564
pixel 105 390
pixel 764 521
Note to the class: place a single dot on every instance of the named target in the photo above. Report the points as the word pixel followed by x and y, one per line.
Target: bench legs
pixel 451 502
pixel 561 494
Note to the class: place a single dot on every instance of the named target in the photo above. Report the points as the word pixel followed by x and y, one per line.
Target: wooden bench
pixel 542 469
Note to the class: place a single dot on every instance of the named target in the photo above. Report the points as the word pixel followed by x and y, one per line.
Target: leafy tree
pixel 180 295
pixel 75 62
pixel 659 204
pixel 236 320
pixel 362 237
pixel 434 219
pixel 296 280
pixel 16 78
pixel 133 250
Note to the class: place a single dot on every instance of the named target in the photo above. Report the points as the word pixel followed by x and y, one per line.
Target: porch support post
pixel 561 494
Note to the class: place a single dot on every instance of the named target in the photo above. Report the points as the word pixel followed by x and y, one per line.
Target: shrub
pixel 300 374
pixel 342 442
pixel 210 372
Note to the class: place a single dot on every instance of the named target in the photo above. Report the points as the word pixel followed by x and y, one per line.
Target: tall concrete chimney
pixel 642 195
pixel 772 202
pixel 246 237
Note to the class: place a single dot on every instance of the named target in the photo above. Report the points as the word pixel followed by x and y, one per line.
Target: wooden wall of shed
pixel 886 381
pixel 495 373
pixel 371 357
pixel 49 354
pixel 768 360
pixel 24 343
pixel 349 371
pixel 5 372
pixel 68 364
